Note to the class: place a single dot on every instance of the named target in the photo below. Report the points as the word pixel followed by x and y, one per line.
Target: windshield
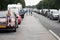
pixel 13 8
pixel 56 12
pixel 2 14
pixel 21 11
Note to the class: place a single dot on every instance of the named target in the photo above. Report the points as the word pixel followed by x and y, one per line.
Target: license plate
pixel 2 26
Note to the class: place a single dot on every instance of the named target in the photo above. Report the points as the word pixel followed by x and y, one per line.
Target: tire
pixel 59 21
pixel 16 24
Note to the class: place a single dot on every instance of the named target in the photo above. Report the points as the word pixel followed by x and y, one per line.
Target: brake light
pixel 9 20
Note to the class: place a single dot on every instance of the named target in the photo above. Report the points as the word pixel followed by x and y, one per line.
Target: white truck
pixel 14 7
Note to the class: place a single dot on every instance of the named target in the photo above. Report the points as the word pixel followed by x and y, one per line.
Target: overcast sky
pixel 31 2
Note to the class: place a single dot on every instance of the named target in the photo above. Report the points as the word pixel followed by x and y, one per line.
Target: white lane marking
pixel 54 34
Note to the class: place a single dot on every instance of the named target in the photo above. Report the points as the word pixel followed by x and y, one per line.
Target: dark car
pixel 21 12
pixel 59 18
pixel 7 23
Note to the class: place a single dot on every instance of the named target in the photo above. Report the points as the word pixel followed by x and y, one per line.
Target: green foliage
pixel 53 4
pixel 4 3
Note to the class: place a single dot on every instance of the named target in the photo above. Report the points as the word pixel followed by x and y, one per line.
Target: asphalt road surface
pixel 53 25
pixel 26 32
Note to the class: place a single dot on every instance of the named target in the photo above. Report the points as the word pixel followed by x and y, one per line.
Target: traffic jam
pixel 11 19
pixel 52 14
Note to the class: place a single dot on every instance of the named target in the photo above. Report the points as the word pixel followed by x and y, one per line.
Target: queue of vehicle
pixel 52 14
pixel 8 23
pixel 10 19
pixel 59 16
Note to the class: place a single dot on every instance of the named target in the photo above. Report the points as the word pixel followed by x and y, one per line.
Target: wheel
pixel 16 24
pixel 59 21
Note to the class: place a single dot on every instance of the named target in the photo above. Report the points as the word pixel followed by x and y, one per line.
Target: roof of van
pixel 15 5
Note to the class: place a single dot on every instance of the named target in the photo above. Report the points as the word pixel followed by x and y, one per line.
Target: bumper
pixel 55 17
pixel 8 28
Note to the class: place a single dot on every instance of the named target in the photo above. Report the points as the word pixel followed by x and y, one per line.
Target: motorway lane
pixel 26 32
pixel 53 25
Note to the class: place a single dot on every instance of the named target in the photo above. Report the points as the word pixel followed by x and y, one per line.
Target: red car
pixel 19 19
pixel 17 16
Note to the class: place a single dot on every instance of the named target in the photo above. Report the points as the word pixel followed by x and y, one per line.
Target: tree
pixel 4 3
pixel 53 4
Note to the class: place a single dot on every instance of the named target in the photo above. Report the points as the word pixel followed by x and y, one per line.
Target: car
pixel 35 9
pixel 54 14
pixel 17 16
pixel 21 13
pixel 19 19
pixel 59 16
pixel 25 10
pixel 7 23
pixel 40 11
pixel 45 12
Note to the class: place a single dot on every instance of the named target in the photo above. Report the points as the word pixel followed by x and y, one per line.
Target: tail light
pixel 9 20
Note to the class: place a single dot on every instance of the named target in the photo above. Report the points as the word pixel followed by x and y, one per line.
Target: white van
pixel 14 7
pixel 54 14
